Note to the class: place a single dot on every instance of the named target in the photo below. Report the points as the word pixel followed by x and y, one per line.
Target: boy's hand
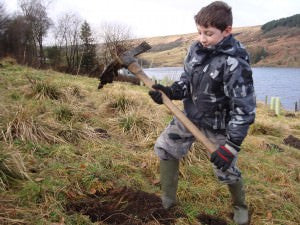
pixel 223 157
pixel 156 95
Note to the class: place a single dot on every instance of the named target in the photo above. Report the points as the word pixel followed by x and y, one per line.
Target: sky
pixel 149 18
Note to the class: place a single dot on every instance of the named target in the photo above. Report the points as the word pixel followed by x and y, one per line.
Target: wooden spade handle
pixel 135 69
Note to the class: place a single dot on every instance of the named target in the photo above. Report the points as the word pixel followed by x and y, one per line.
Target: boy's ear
pixel 227 31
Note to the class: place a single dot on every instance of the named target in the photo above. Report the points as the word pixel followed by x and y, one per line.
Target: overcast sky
pixel 148 18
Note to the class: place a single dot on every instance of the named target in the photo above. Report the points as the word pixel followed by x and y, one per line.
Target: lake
pixel 268 81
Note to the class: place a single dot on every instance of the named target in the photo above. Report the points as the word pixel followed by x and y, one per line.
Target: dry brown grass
pixel 11 166
pixel 53 150
pixel 25 126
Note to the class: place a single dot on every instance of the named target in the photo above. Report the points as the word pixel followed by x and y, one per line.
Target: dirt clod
pixel 210 220
pixel 292 141
pixel 124 206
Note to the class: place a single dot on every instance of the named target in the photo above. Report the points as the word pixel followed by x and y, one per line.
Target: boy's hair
pixel 217 14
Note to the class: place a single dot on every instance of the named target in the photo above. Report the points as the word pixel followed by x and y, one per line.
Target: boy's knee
pixel 163 154
pixel 230 176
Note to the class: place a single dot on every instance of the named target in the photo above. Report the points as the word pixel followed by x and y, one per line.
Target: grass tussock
pixel 8 62
pixel 121 103
pixel 74 134
pixel 44 89
pixel 24 126
pixel 12 167
pixel 138 126
pixel 264 129
pixel 62 139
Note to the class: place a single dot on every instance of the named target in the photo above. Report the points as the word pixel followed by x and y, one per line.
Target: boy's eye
pixel 209 34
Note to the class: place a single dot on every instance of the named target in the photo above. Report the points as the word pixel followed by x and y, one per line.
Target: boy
pixel 218 96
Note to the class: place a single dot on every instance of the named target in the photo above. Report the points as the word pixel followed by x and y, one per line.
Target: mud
pixel 103 133
pixel 210 220
pixel 124 206
pixel 292 141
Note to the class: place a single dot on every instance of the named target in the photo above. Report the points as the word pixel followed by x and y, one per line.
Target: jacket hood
pixel 229 46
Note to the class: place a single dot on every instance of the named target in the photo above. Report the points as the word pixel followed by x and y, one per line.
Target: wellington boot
pixel 240 208
pixel 169 182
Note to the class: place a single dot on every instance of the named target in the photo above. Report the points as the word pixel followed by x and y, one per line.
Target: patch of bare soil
pixel 292 141
pixel 124 206
pixel 103 133
pixel 210 220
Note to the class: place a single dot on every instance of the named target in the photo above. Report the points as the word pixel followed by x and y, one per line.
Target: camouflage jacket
pixel 217 88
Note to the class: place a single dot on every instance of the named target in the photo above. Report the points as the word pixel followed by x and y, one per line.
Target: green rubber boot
pixel 240 208
pixel 169 182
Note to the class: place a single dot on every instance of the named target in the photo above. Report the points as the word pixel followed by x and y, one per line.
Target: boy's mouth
pixel 207 46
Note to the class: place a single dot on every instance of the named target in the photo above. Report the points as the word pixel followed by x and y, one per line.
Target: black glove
pixel 156 95
pixel 223 157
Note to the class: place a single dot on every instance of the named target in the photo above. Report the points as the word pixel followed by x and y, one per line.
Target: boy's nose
pixel 202 39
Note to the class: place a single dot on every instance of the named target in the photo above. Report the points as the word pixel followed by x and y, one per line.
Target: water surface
pixel 268 81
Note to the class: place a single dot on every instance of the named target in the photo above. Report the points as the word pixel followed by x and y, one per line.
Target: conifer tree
pixel 88 60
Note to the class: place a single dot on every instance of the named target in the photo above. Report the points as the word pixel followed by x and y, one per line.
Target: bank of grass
pixel 53 148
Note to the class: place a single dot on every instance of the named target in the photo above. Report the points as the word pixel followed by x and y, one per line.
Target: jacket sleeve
pixel 181 88
pixel 238 87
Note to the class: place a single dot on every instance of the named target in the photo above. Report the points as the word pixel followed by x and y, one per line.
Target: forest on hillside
pixel 292 21
pixel 74 44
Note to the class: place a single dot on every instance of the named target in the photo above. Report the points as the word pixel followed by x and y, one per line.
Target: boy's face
pixel 210 36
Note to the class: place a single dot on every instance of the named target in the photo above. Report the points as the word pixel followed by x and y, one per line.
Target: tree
pixel 88 58
pixel 17 40
pixel 115 38
pixel 35 13
pixel 67 35
pixel 3 17
pixel 54 56
pixel 292 21
pixel 257 54
pixel 3 27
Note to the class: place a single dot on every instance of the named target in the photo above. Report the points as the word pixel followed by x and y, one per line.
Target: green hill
pixel 292 21
pixel 71 154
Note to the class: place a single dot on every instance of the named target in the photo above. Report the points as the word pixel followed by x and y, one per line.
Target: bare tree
pixel 67 36
pixel 35 13
pixel 3 17
pixel 3 26
pixel 116 39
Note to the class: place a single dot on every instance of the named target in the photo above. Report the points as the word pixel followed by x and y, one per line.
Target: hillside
pixel 71 154
pixel 277 47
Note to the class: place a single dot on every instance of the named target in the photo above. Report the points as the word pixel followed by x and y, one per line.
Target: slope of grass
pixel 61 138
pixel 280 47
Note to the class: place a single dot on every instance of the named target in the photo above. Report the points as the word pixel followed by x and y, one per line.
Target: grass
pixel 50 152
